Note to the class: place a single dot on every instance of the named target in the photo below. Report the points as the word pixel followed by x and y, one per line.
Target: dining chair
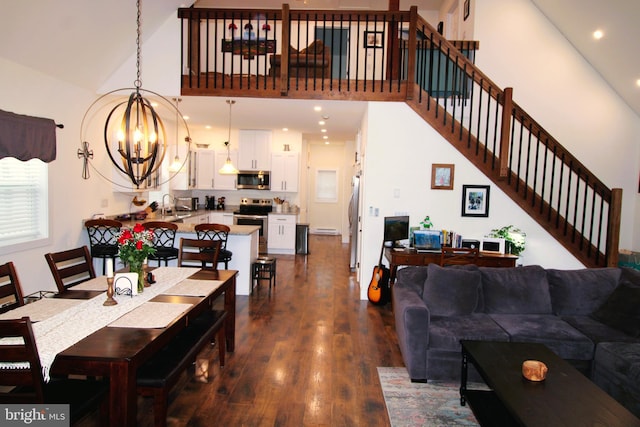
pixel 103 239
pixel 216 232
pixel 10 290
pixel 163 240
pixel 71 267
pixel 199 253
pixel 458 256
pixel 22 380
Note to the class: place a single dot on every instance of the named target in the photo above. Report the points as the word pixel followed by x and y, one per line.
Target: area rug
pixel 432 404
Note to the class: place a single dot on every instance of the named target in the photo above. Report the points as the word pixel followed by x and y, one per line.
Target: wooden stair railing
pixel 440 81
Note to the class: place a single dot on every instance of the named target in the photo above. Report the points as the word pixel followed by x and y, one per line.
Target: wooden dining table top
pixel 117 352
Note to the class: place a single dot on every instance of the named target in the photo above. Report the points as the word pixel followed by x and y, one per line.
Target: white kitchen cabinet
pixel 197 219
pixel 221 217
pixel 285 171
pixel 224 182
pixel 205 169
pixel 282 234
pixel 254 150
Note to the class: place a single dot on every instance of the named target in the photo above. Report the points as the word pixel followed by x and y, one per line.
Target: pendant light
pixel 137 129
pixel 228 168
pixel 176 165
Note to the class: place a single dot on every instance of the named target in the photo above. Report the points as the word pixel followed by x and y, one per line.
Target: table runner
pixel 194 288
pixel 41 309
pixel 151 315
pixel 61 331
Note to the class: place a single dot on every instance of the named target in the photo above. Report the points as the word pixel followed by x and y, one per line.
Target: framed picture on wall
pixel 373 39
pixel 475 200
pixel 467 7
pixel 442 176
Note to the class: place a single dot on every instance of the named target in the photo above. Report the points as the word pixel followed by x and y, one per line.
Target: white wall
pixel 26 91
pixel 397 161
pixel 558 87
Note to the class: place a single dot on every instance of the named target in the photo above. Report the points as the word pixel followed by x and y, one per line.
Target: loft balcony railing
pixel 398 56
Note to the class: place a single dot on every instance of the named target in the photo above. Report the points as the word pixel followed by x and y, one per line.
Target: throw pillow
pixel 622 309
pixel 581 292
pixel 516 290
pixel 450 291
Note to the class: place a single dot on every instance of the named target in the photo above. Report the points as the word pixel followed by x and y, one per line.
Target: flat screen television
pixel 396 228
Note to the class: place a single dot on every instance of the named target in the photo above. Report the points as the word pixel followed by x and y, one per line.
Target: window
pixel 326 185
pixel 24 210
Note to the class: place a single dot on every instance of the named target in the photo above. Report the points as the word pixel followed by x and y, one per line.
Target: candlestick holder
pixel 145 269
pixel 110 300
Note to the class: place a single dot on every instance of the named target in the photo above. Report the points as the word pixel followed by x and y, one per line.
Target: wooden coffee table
pixel 564 398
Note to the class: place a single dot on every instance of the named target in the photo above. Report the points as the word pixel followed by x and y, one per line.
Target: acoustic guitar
pixel 378 292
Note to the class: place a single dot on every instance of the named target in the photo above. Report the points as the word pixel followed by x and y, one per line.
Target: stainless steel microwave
pixel 254 180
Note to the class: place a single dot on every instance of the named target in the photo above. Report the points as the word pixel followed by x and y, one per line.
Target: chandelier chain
pixel 138 82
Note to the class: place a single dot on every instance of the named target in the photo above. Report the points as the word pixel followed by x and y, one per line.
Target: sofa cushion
pixel 445 332
pixel 517 290
pixel 581 292
pixel 451 291
pixel 616 369
pixel 413 278
pixel 564 340
pixel 597 331
pixel 630 275
pixel 622 309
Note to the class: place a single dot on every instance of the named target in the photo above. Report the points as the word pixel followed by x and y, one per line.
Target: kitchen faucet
pixel 163 210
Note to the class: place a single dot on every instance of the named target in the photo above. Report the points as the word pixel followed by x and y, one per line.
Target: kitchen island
pixel 242 242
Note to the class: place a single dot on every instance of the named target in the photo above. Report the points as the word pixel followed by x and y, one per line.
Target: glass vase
pixel 137 267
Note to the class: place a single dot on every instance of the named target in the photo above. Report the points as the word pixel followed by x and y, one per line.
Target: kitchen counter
pixel 242 242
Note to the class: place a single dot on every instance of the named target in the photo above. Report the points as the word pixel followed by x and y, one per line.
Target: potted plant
pixel 514 238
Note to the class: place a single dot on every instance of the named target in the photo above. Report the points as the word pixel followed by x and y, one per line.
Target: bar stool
pixel 264 268
pixel 103 235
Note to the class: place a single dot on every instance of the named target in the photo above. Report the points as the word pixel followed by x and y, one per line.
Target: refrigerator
pixel 354 221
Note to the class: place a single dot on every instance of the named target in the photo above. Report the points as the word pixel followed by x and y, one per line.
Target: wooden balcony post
pixel 613 227
pixel 286 42
pixel 505 131
pixel 412 50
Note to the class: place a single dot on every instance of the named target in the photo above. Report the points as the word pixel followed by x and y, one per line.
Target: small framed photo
pixel 467 6
pixel 475 200
pixel 442 176
pixel 373 39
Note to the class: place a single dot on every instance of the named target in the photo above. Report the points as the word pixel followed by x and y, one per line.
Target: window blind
pixel 24 195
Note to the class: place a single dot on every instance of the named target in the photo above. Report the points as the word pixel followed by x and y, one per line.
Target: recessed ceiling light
pixel 207 127
pixel 326 143
pixel 325 137
pixel 638 82
pixel 321 122
pixel 323 130
pixel 186 117
pixel 598 34
pixel 317 108
pixel 285 129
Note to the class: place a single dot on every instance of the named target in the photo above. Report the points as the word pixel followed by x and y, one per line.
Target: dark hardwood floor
pixel 306 353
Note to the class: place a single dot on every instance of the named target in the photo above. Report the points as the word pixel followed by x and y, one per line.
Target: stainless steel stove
pixel 255 212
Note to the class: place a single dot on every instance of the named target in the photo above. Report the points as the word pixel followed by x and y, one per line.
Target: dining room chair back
pixel 10 290
pixel 216 232
pixel 199 253
pixel 103 239
pixel 70 267
pixel 164 236
pixel 458 256
pixel 22 380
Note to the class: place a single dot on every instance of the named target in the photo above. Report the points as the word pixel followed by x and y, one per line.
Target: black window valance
pixel 26 137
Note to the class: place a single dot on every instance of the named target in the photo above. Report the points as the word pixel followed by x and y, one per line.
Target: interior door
pixel 337 39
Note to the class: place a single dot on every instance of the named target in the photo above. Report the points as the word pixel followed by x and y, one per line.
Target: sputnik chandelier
pixel 134 134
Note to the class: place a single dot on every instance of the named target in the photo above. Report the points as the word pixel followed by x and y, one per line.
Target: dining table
pixel 77 335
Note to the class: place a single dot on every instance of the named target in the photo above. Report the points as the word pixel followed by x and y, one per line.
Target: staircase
pixel 435 77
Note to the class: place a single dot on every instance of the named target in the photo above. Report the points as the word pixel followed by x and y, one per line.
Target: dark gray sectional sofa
pixel 590 317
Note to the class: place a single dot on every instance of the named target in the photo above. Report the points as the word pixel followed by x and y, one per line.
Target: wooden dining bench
pixel 159 374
